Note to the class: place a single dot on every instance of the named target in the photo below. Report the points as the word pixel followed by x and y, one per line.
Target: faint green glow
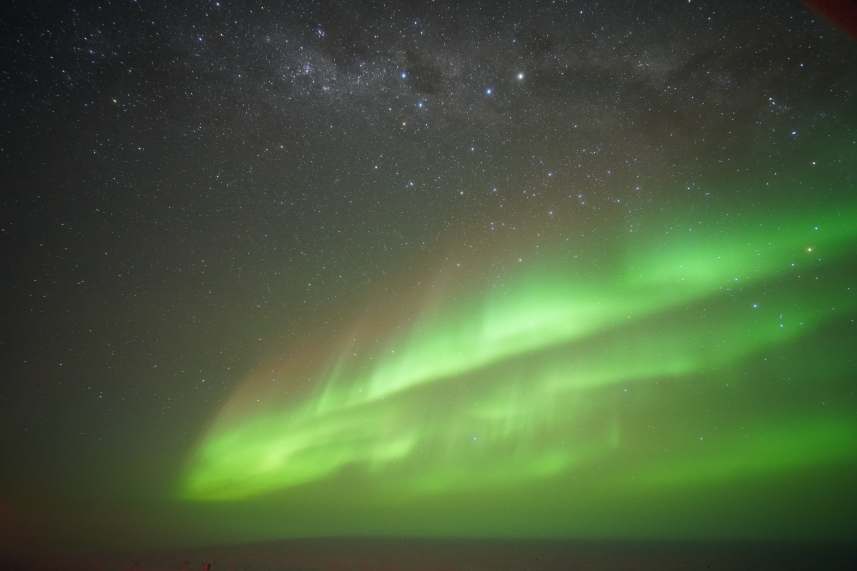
pixel 561 373
pixel 769 448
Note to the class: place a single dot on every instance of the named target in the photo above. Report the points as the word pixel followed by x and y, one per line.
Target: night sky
pixel 575 270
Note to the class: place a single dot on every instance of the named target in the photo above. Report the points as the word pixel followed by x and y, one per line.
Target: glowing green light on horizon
pixel 564 369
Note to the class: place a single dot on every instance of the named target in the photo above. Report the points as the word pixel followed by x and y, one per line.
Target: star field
pixel 366 263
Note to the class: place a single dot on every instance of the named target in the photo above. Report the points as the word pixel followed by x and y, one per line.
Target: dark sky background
pixel 189 188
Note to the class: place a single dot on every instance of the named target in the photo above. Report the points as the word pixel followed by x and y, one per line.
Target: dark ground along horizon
pixel 378 554
pixel 534 284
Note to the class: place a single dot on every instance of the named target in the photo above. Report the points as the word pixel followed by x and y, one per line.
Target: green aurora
pixel 429 285
pixel 674 368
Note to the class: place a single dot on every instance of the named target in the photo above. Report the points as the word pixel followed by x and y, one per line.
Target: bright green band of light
pixel 557 369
